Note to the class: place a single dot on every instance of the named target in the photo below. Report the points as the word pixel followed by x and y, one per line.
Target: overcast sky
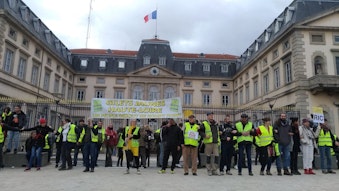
pixel 191 26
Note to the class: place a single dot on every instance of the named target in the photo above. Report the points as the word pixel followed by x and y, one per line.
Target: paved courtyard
pixel 113 178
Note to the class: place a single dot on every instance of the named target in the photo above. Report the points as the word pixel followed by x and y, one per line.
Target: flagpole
pixel 156 21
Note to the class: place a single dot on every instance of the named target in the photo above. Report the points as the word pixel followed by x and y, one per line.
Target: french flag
pixel 153 15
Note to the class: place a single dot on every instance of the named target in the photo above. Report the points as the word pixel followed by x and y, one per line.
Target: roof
pixel 134 53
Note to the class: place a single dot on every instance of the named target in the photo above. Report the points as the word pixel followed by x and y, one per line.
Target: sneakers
pixel 127 171
pixel 262 173
pixel 228 172
pixel 250 173
pixel 268 173
pixel 27 169
pixel 138 172
pixel 331 172
pixel 286 172
pixel 172 171
pixel 310 171
pixel 86 170
pixel 178 166
pixel 186 173
pixel 162 171
pixel 194 174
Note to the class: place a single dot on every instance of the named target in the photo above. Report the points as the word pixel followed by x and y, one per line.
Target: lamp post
pixel 271 102
pixel 56 113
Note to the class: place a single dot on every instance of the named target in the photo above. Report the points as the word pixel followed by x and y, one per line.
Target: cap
pixel 305 120
pixel 42 121
pixel 209 113
pixel 191 116
pixel 244 115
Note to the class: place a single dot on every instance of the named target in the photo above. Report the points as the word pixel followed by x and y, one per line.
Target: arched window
pixel 318 65
pixel 169 92
pixel 153 93
pixel 137 92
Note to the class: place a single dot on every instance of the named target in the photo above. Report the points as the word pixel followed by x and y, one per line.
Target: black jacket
pixel 172 136
pixel 22 121
pixel 41 132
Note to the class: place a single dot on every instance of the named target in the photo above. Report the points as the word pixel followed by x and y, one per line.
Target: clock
pixel 154 71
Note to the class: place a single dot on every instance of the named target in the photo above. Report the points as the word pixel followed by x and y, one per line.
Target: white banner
pixel 318 115
pixel 129 108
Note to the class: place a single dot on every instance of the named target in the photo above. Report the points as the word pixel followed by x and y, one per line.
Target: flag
pixel 153 15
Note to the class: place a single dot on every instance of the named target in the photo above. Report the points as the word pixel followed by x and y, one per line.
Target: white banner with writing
pixel 130 108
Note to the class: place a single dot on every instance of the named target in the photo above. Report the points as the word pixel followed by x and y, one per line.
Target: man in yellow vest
pixel 209 130
pixel 131 137
pixel 68 139
pixel 190 147
pixel 101 138
pixel 325 144
pixel 245 130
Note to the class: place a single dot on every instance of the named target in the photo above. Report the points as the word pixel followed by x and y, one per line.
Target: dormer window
pixel 121 64
pixel 277 25
pixel 162 61
pixel 257 44
pixel 83 63
pixel 24 13
pixel 48 36
pixel 147 60
pixel 267 34
pixel 36 24
pixel 224 68
pixel 188 66
pixel 206 67
pixel 102 64
pixel 289 13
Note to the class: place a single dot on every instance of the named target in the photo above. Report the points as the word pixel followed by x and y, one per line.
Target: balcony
pixel 324 83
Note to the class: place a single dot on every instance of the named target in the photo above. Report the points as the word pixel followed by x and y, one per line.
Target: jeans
pixel 109 153
pixel 89 152
pixel 248 148
pixel 35 155
pixel 13 136
pixel 325 156
pixel 1 157
pixel 160 154
pixel 227 151
pixel 66 149
pixel 285 156
pixel 76 153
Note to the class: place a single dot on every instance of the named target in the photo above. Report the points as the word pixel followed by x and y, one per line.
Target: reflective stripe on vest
pixel 187 139
pixel 266 136
pixel 324 139
pixel 46 142
pixel 240 129
pixel 2 136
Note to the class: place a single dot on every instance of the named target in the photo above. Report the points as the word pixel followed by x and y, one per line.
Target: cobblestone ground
pixel 113 178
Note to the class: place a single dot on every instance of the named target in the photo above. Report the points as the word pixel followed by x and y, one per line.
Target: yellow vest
pixel 46 142
pixel 71 135
pixel 94 138
pixel 187 139
pixel 2 136
pixel 208 131
pixel 103 132
pixel 4 115
pixel 240 129
pixel 324 139
pixel 121 141
pixel 266 137
pixel 135 142
pixel 58 137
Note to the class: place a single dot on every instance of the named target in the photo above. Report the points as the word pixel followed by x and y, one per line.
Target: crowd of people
pixel 221 144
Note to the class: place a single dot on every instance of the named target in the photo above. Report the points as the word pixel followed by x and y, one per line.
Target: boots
pixel 310 171
pixel 286 172
pixel 306 171
pixel 279 172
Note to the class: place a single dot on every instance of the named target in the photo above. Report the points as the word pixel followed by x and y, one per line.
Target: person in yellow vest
pixel 4 127
pixel 68 139
pixel 89 139
pixel 101 138
pixel 6 118
pixel 244 139
pixel 209 130
pixel 131 137
pixel 190 146
pixel 266 150
pixel 325 143
pixel 58 145
pixel 120 146
pixel 47 147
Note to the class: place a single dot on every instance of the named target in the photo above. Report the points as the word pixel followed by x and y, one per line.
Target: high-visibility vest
pixel 240 129
pixel 190 129
pixel 208 131
pixel 71 135
pixel 46 142
pixel 59 134
pixel 135 142
pixel 4 115
pixel 266 136
pixel 94 138
pixel 102 133
pixel 324 139
pixel 121 141
pixel 2 136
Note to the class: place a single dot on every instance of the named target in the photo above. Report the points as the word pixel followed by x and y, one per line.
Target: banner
pixel 318 115
pixel 129 108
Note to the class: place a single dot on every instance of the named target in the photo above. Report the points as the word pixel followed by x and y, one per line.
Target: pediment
pixel 330 19
pixel 154 70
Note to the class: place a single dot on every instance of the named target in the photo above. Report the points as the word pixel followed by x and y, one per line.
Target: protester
pixel 325 144
pixel 78 147
pixel 69 140
pixel 58 145
pixel 120 146
pixel 101 138
pixel 4 127
pixel 296 146
pixel 110 143
pixel 190 147
pixel 227 145
pixel 142 145
pixel 17 119
pixel 38 143
pixel 131 137
pixel 28 146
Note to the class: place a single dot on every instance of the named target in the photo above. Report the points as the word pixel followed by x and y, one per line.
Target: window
pixel 56 85
pixel 188 66
pixel 277 24
pixel 120 81
pixel 224 100
pixel 83 64
pixel 37 52
pixel 188 97
pixel 63 89
pixel 206 99
pixel 121 64
pixel 267 34
pixel 153 93
pixel 9 58
pixel 46 81
pixel 82 79
pixel 264 62
pixel 266 83
pixel 318 65
pixel 99 94
pixel 336 39
pixel 206 84
pixel 275 53
pixel 169 92
pixel 138 93
pixel 80 95
pixel 224 85
pixel 22 68
pixel 288 72
pixel 119 94
pixel 25 43
pixel 188 84
pixel 235 98
pixel 65 73
pixel 206 67
pixel 286 45
pixel 58 68
pixel 162 61
pixel 34 76
pixel 12 33
pixel 36 24
pixel 276 77
pixel 255 88
pixel 100 80
pixel 255 69
pixel 49 61
pixel 224 68
pixel 147 60
pixel 102 64
pixel 241 98
pixel 69 92
pixel 288 14
pixel 247 93
pixel 317 38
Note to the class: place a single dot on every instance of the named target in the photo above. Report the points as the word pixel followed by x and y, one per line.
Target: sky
pixel 191 26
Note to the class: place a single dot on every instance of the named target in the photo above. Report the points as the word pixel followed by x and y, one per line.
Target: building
pixel 294 63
